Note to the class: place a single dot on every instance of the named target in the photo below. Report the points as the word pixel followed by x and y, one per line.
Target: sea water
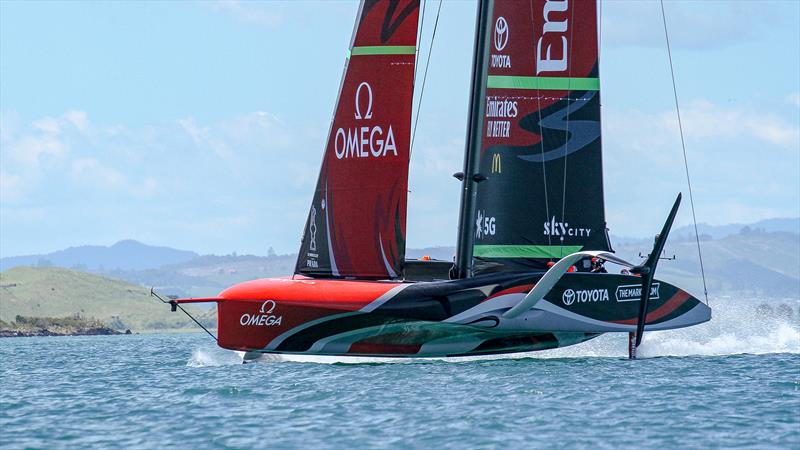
pixel 734 382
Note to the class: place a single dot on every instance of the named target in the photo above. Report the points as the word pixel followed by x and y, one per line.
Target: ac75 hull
pixel 439 318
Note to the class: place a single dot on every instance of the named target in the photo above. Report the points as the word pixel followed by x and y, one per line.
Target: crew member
pixel 597 266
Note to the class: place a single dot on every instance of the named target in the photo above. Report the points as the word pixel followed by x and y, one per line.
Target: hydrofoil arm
pixel 554 274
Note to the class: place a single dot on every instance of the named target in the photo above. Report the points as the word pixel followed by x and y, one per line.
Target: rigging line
pixel 419 39
pixel 541 147
pixel 566 132
pixel 683 146
pixel 195 321
pixel 176 304
pixel 424 77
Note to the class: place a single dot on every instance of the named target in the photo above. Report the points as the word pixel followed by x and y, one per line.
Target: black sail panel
pixel 541 149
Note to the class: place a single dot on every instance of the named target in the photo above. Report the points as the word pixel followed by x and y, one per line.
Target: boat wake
pixel 208 356
pixel 753 327
pixel 737 327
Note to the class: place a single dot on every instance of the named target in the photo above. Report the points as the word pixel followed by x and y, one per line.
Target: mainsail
pixel 357 222
pixel 540 152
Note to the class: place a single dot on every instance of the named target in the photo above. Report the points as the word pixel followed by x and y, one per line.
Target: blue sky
pixel 201 125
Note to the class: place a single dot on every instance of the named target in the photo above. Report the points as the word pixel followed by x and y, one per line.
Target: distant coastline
pixel 50 326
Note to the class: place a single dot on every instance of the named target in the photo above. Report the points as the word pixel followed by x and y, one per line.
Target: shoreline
pixel 99 331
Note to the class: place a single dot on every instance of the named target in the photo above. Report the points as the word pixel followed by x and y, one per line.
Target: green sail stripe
pixel 543 83
pixel 382 50
pixel 524 251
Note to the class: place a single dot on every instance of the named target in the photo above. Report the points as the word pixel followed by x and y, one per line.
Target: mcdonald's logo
pixel 497 163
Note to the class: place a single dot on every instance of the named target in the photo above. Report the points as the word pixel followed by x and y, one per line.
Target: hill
pixel 751 263
pixel 723 231
pixel 739 259
pixel 58 292
pixel 207 275
pixel 124 255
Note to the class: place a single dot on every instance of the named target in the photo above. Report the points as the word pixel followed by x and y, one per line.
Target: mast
pixel 469 178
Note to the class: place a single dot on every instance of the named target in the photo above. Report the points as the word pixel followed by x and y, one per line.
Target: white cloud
pixel 248 12
pixel 47 125
pixel 31 150
pixel 203 137
pixel 79 119
pixel 743 162
pixel 91 171
pixel 703 120
pixel 43 140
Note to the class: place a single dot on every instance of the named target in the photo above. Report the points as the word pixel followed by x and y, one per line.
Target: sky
pixel 201 125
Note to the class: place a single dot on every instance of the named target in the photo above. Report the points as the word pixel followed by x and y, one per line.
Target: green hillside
pixel 751 263
pixel 57 292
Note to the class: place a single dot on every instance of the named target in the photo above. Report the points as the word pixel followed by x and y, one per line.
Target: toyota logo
pixel 568 297
pixel 500 34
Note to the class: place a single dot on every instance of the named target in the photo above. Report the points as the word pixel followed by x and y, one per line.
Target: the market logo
pixel 555 228
pixel 584 296
pixel 633 293
pixel 367 140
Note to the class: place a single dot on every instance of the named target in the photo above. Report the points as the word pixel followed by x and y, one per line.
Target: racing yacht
pixel 532 235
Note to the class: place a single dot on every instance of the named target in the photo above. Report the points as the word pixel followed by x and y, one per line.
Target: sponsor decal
pixel 502 109
pixel 362 86
pixel 501 33
pixel 633 292
pixel 484 225
pixel 264 317
pixel 375 141
pixel 554 228
pixel 584 296
pixel 498 128
pixel 311 261
pixel 553 41
pixel 313 229
pixel 497 163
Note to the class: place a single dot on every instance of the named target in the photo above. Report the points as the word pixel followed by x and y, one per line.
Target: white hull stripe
pixel 375 304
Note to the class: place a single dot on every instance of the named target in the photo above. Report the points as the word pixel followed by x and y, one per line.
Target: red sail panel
pixel 357 223
pixel 541 151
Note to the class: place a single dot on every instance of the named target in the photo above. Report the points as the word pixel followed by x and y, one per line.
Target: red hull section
pixel 254 319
